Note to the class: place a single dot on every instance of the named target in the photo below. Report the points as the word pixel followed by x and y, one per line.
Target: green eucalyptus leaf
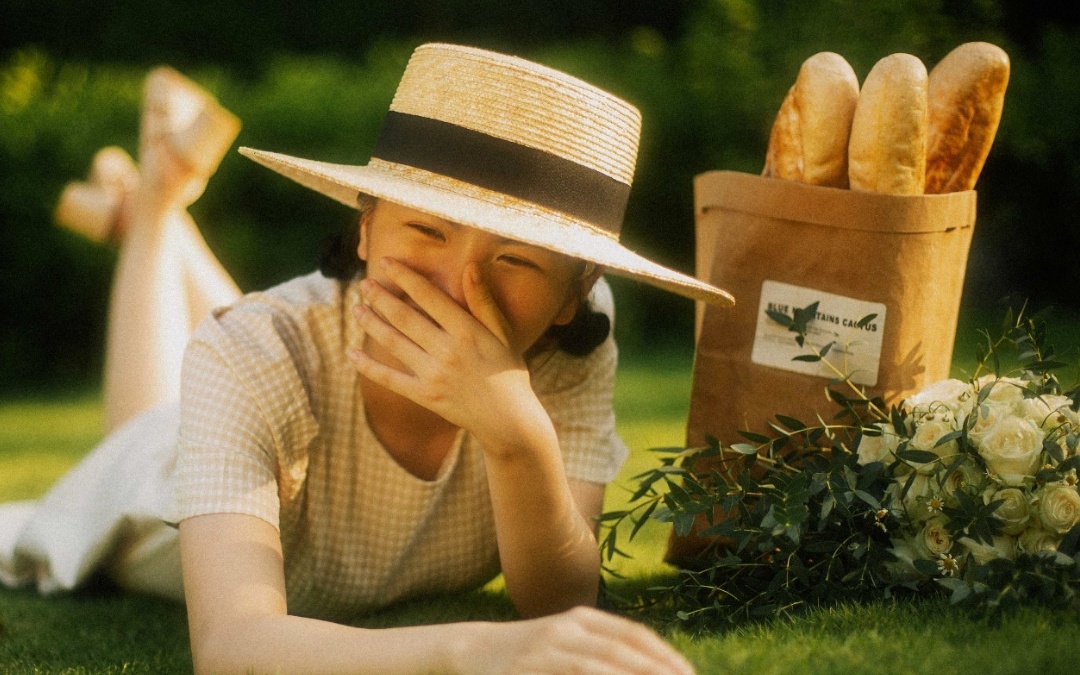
pixel 1055 451
pixel 868 498
pixel 791 423
pixel 779 317
pixel 917 456
pixel 663 514
pixel 754 437
pixel 683 523
pixel 744 449
pixel 1045 366
pixel 612 515
pixel 959 589
pixel 946 438
pixel 1070 543
pixel 678 493
pixel 801 318
pixel 724 528
pixel 642 519
pixel 926 567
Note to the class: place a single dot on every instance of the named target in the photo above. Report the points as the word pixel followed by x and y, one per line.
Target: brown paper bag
pixel 781 244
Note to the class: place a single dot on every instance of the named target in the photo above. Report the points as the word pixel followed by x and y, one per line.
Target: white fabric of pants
pixel 105 514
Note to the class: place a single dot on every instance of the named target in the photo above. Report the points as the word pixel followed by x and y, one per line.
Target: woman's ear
pixel 362 247
pixel 367 205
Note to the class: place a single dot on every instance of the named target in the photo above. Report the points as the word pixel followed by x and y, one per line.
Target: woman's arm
pixel 545 529
pixel 462 368
pixel 234 588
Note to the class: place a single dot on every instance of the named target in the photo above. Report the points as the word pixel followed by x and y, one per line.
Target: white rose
pixel 1014 511
pixel 942 391
pixel 1059 508
pixel 1038 540
pixel 878 448
pixel 1012 449
pixel 966 476
pixel 1049 411
pixel 986 417
pixel 1003 547
pixel 954 395
pixel 935 538
pixel 928 433
pixel 1002 389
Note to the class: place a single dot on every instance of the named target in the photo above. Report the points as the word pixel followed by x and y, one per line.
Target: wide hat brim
pixel 486 210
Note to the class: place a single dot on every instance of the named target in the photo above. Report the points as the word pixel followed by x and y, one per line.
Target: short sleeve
pixel 577 393
pixel 245 423
pixel 225 459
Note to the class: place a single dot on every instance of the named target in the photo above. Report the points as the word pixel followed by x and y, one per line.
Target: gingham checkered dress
pixel 273 426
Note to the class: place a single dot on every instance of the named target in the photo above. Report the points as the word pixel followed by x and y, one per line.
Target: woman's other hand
pixel 581 640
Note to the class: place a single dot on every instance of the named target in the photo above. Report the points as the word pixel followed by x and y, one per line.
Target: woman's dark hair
pixel 338 260
pixel 585 332
pixel 337 254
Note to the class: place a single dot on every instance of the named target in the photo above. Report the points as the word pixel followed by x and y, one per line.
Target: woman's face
pixel 535 288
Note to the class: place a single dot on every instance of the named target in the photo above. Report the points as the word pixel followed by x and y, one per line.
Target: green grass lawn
pixel 101 631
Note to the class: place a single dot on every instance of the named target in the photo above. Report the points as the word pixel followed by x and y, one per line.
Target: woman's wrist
pixel 521 434
pixel 468 649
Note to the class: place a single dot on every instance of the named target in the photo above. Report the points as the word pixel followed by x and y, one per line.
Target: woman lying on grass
pixel 432 410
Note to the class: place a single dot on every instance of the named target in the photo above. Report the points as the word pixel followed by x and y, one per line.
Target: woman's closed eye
pixel 428 231
pixel 518 261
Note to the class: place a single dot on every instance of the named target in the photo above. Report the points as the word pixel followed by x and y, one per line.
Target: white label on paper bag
pixel 855 351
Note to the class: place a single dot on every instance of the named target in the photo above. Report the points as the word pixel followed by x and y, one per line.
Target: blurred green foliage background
pixel 314 79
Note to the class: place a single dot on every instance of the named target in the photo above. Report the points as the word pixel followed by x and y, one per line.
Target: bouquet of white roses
pixel 966 486
pixel 998 447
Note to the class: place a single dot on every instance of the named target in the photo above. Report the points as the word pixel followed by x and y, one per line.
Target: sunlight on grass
pixel 40 440
pixel 651 403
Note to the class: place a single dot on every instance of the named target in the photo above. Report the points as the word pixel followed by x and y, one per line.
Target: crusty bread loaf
pixel 965 97
pixel 887 150
pixel 808 142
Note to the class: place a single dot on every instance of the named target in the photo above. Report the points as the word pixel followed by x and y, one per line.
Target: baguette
pixel 965 96
pixel 887 150
pixel 808 141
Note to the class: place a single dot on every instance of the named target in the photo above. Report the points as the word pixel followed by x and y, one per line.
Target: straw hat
pixel 507 146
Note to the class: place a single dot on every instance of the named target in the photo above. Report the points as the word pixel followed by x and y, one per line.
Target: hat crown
pixel 524 103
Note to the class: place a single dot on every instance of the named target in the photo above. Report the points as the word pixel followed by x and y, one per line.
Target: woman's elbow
pixel 222 648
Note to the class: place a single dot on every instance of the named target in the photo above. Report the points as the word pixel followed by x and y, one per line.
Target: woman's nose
pixel 451 273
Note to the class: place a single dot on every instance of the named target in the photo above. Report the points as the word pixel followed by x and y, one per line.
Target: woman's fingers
pixel 428 315
pixel 402 382
pixel 482 305
pixel 646 648
pixel 399 316
pixel 582 640
pixel 447 360
pixel 433 300
pixel 383 326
